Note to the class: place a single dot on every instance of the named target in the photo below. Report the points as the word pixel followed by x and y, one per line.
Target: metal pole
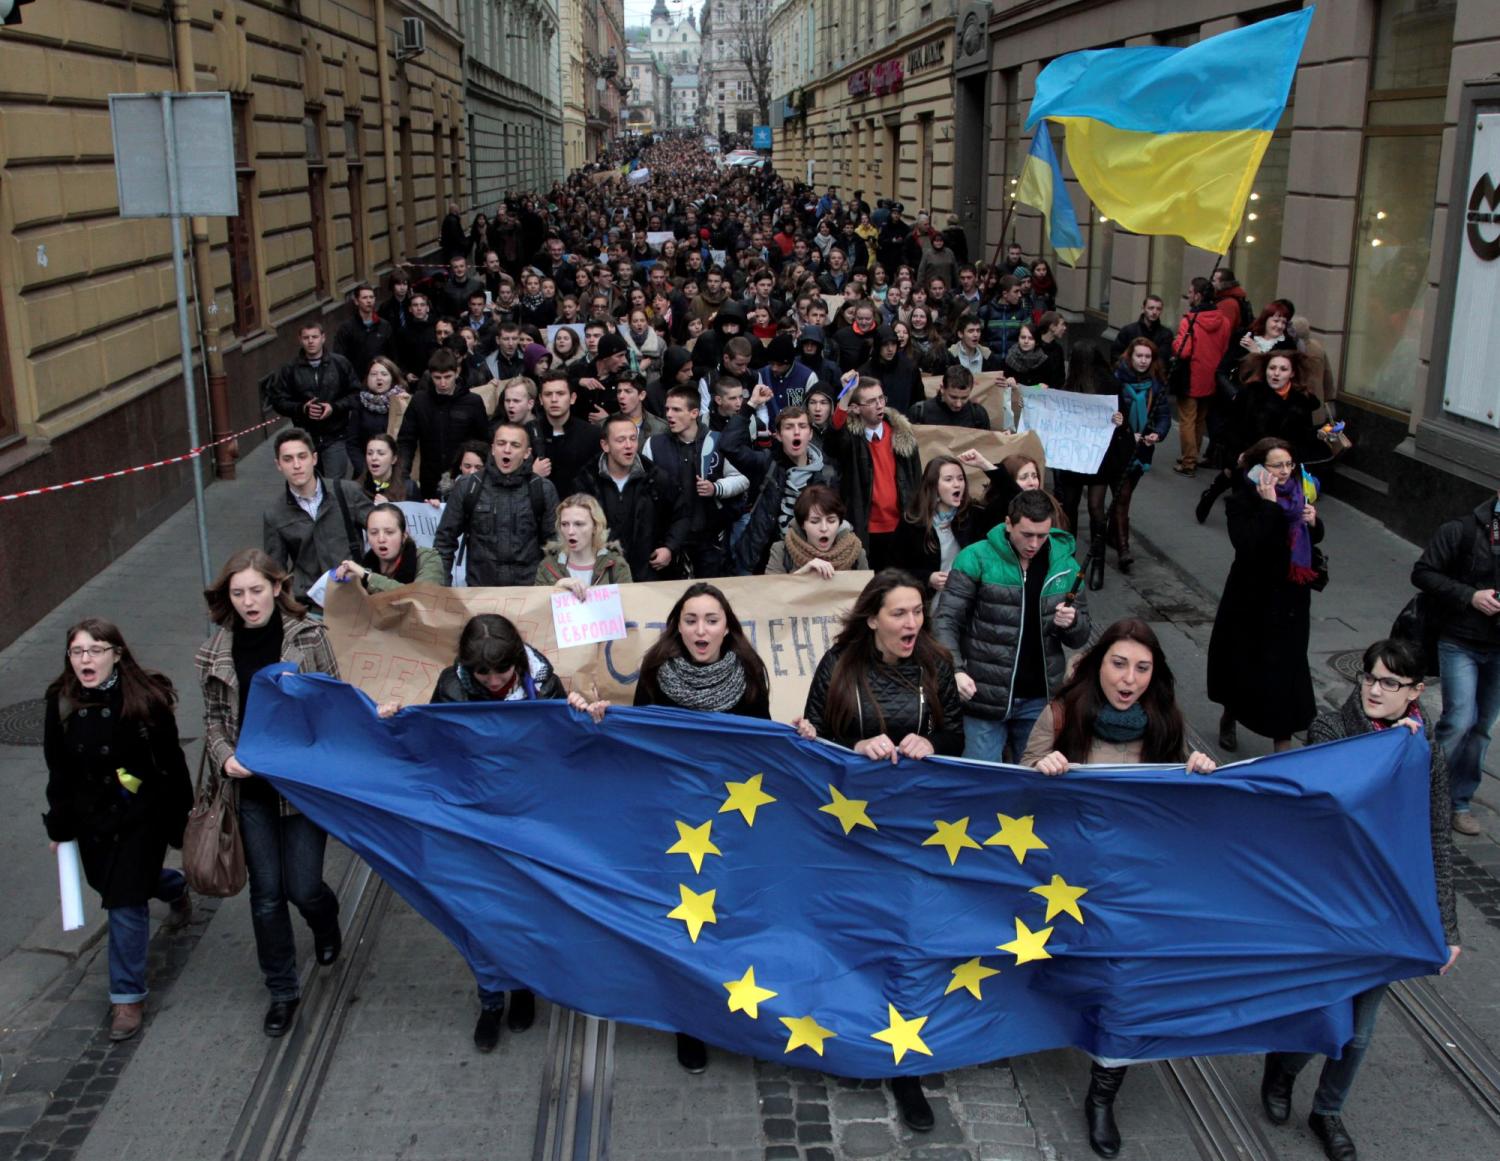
pixel 184 334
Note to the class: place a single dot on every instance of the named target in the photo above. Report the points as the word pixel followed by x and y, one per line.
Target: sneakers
pixel 125 1020
pixel 487 1028
pixel 1465 823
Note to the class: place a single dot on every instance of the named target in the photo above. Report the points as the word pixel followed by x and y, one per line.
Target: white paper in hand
pixel 70 885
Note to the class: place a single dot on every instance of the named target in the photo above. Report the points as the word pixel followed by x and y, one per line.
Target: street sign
pixel 760 137
pixel 174 156
pixel 202 154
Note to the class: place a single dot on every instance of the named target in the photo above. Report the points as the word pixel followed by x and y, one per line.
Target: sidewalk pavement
pixel 155 594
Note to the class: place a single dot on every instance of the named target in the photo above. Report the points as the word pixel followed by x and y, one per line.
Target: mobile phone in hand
pixel 1256 474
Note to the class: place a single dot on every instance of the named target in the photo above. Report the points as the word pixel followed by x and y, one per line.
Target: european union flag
pixel 791 900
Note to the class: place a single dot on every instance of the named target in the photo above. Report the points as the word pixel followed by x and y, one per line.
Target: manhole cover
pixel 1349 664
pixel 21 724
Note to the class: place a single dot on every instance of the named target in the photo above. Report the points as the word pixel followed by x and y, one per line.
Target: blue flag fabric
pixel 793 901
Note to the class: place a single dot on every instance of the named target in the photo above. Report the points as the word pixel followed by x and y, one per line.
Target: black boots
pixel 692 1053
pixel 1096 562
pixel 1276 1091
pixel 522 1010
pixel 916 1113
pixel 1099 1109
pixel 279 1017
pixel 328 944
pixel 1337 1144
pixel 487 1028
pixel 1229 740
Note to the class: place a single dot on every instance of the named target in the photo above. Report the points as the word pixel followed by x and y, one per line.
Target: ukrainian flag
pixel 1168 140
pixel 1042 186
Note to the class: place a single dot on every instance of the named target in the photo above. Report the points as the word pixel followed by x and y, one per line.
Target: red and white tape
pixel 191 455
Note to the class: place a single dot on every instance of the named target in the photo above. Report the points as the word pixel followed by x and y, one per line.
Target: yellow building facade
pixel 868 104
pixel 348 145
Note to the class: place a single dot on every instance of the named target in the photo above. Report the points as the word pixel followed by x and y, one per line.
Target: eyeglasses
pixel 1281 465
pixel 79 652
pixel 1389 684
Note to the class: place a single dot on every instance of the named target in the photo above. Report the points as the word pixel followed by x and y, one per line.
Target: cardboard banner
pixel 989 392
pixel 393 645
pixel 1075 428
pixel 934 441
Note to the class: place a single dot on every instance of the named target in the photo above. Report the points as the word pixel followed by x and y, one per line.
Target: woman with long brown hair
pixel 945 516
pixel 261 624
pixel 886 691
pixel 118 786
pixel 1118 708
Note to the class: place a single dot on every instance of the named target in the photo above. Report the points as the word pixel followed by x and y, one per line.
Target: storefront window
pixel 1256 253
pixel 1398 184
pixel 1392 242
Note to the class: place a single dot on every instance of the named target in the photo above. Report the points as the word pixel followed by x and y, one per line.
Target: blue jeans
pixel 1338 1075
pixel 1471 702
pixel 130 936
pixel 1002 739
pixel 284 858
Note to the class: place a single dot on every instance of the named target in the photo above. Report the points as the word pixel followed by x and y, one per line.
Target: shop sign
pixel 1473 339
pixel 878 79
pixel 925 56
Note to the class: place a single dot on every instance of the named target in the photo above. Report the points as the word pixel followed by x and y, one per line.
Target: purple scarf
pixel 1291 501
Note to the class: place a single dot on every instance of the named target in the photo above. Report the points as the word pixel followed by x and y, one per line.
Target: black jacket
pixel 413 345
pixel 1257 412
pixel 897 708
pixel 505 519
pixel 540 682
pixel 649 514
pixel 437 426
pixel 569 452
pixel 899 377
pixel 768 471
pixel 122 836
pixel 332 381
pixel 922 559
pixel 361 344
pixel 850 348
pixel 1140 329
pixel 1456 564
pixel 936 412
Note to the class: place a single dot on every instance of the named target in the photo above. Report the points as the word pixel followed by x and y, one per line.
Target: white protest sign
pixel 657 237
pixel 599 618
pixel 576 328
pixel 1075 429
pixel 718 256
pixel 421 525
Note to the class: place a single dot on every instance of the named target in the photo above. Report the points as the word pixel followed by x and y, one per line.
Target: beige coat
pixel 1044 738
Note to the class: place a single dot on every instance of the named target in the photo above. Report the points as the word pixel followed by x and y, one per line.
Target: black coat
pixel 1257 656
pixel 122 837
pixel 361 344
pixel 543 680
pixel 851 452
pixel 1257 413
pixel 896 705
pixel 437 426
pixel 899 377
pixel 922 559
pixel 768 470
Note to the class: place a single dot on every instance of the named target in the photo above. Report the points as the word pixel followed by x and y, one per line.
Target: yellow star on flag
pixel 695 910
pixel 694 842
pixel 902 1035
pixel 1027 945
pixel 745 995
pixel 968 975
pixel 1061 897
pixel 1017 834
pixel 849 811
pixel 952 837
pixel 746 797
pixel 806 1032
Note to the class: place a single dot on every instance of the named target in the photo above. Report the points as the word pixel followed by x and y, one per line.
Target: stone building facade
pixel 344 155
pixel 1349 216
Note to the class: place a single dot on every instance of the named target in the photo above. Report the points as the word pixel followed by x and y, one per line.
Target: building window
pixel 317 199
pixel 354 160
pixel 244 281
pixel 1398 185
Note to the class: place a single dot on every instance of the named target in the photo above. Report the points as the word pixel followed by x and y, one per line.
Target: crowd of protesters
pixel 715 372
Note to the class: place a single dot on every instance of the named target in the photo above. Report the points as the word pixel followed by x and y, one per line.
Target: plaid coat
pixel 303 642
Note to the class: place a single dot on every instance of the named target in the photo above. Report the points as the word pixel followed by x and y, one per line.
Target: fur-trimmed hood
pixel 903 438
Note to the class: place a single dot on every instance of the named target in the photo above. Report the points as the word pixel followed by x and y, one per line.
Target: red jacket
pixel 1206 348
